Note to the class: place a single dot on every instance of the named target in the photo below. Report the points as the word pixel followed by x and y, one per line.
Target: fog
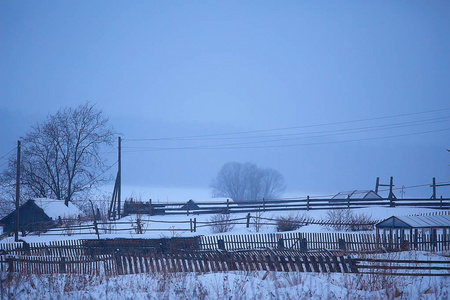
pixel 330 95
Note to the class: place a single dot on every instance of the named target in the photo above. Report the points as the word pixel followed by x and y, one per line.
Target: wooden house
pixel 39 215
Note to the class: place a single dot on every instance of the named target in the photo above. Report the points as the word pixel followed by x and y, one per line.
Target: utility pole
pixel 434 185
pixel 119 175
pixel 113 213
pixel 16 237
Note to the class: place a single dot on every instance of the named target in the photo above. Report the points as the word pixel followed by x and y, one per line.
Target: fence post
pixel 139 226
pixel 303 245
pixel 10 260
pixel 280 244
pixel 391 194
pixel 352 265
pixel 444 238
pixel 195 224
pixel 95 220
pixel 342 244
pixel 62 265
pixel 440 206
pixel 248 220
pixel 433 238
pixel 416 238
pixel 190 223
pixel 221 244
pixel 307 203
pixel 228 206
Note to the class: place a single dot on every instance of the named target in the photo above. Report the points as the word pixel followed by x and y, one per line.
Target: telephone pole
pixel 16 237
pixel 114 209
pixel 119 175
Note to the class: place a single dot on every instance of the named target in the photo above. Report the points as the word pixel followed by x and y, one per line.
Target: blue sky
pixel 378 71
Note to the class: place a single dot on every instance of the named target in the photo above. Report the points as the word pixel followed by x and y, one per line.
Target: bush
pixel 346 220
pixel 221 223
pixel 291 222
pixel 361 222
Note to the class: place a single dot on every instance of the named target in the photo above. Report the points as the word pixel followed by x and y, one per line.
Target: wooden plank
pixel 343 264
pixel 284 264
pixel 298 264
pixel 314 264
pixel 306 263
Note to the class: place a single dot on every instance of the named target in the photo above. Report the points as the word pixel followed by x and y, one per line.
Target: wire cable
pixel 288 128
pixel 234 146
pixel 3 156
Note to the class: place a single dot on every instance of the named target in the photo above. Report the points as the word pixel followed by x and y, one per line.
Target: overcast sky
pixel 331 94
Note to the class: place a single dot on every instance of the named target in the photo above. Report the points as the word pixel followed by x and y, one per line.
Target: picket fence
pixel 351 242
pixel 200 262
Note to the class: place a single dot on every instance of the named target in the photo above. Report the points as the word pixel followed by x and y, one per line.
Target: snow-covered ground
pixel 230 285
pixel 169 224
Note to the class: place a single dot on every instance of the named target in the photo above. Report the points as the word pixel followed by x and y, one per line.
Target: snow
pixel 168 225
pixel 56 208
pixel 228 285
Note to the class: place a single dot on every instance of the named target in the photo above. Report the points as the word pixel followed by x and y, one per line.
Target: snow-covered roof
pixel 357 194
pixel 435 221
pixel 56 208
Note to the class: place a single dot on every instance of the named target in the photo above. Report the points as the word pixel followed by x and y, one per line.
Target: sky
pixel 331 94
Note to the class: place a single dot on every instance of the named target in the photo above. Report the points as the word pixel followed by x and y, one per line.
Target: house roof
pixel 56 208
pixel 438 221
pixel 357 194
pixel 51 207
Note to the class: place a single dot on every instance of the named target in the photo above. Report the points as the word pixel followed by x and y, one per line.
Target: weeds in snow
pixel 229 285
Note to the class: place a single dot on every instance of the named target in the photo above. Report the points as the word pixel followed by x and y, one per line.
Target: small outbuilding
pixel 356 194
pixel 190 205
pixel 417 227
pixel 38 215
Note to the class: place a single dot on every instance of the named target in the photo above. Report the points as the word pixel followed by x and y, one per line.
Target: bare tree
pixel 61 156
pixel 245 181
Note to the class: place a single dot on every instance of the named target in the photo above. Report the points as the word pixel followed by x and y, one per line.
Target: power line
pixel 9 152
pixel 346 132
pixel 285 128
pixel 234 146
pixel 326 132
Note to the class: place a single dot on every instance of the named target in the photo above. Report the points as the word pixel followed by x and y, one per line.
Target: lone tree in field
pixel 61 156
pixel 245 181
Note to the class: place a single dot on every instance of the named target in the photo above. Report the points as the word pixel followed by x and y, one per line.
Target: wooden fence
pixel 349 242
pixel 401 267
pixel 199 262
pixel 94 247
pixel 216 261
pixel 209 207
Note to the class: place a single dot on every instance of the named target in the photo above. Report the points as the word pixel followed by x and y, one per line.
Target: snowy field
pixel 231 285
pixel 171 223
